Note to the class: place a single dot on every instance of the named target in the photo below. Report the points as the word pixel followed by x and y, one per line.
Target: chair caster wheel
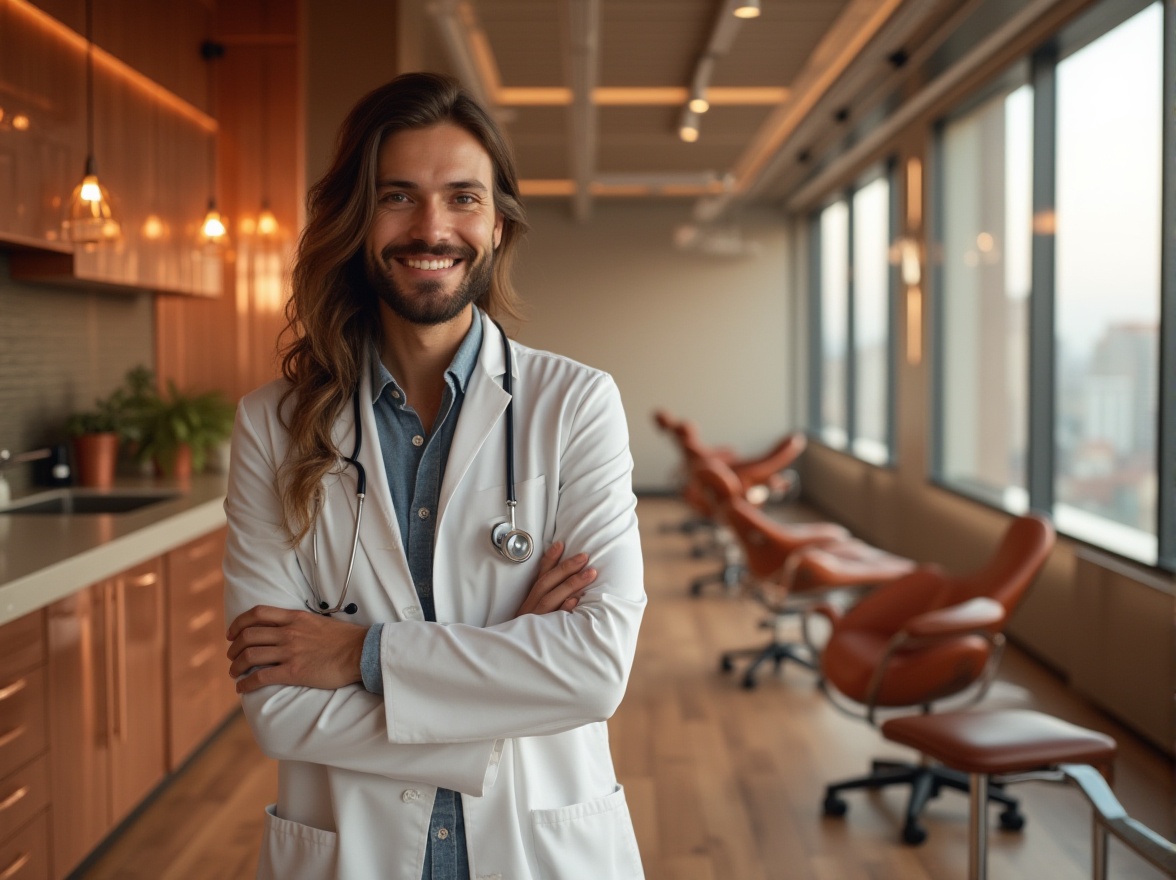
pixel 726 664
pixel 1012 819
pixel 835 806
pixel 912 834
pixel 749 683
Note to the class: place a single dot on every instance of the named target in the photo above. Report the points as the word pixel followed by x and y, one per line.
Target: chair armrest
pixel 968 617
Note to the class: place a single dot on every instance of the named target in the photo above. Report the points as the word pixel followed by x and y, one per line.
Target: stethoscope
pixel 513 543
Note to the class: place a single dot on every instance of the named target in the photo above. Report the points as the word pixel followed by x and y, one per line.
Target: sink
pixel 87 501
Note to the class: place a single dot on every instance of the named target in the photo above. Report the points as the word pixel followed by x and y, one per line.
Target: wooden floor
pixel 723 783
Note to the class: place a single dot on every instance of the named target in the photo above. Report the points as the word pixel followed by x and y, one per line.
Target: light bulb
pixel 267 223
pixel 699 105
pixel 748 9
pixel 214 227
pixel 91 191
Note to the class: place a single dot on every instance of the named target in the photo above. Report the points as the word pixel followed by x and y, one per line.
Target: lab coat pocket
pixel 587 841
pixel 292 851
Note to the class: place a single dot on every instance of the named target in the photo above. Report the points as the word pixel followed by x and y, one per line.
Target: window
pixel 852 302
pixel 985 281
pixel 1107 286
pixel 834 308
pixel 1049 224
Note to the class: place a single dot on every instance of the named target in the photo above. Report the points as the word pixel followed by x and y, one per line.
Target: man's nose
pixel 430 222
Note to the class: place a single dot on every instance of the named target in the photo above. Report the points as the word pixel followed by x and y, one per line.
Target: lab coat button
pixel 418 440
pixel 412 612
pixel 409 795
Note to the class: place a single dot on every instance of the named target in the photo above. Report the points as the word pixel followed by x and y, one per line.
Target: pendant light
pixel 213 231
pixel 91 216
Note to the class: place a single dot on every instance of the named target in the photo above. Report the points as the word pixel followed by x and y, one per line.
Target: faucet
pixel 7 459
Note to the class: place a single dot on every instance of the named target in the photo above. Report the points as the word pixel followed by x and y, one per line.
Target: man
pixel 444 715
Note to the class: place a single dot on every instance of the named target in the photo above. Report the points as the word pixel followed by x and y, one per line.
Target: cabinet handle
pixel 201 620
pixel 200 659
pixel 108 659
pixel 205 582
pixel 120 645
pixel 143 580
pixel 12 735
pixel 201 550
pixel 15 866
pixel 15 688
pixel 13 798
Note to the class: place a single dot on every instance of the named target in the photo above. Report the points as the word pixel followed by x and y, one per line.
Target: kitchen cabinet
pixel 200 692
pixel 152 142
pixel 24 780
pixel 106 690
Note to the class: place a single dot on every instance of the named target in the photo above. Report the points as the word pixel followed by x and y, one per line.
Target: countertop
pixel 44 558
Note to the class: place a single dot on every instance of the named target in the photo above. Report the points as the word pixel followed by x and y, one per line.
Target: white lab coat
pixel 509 712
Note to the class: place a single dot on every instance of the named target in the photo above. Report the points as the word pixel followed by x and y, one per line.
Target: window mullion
pixel 817 342
pixel 1166 477
pixel 1042 406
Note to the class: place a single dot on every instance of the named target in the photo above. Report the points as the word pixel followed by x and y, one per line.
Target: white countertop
pixel 45 557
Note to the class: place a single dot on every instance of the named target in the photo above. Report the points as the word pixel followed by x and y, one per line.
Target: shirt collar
pixel 460 368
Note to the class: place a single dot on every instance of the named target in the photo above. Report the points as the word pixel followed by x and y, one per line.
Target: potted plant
pixel 95 436
pixel 179 429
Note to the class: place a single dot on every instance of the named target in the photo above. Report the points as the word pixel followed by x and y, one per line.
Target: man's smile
pixel 427 264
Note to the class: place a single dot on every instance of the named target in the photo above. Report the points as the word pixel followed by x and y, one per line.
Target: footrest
pixel 1001 741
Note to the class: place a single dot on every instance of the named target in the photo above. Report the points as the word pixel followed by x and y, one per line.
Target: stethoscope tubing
pixel 513 544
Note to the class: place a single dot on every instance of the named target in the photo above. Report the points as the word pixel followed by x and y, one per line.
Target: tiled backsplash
pixel 60 349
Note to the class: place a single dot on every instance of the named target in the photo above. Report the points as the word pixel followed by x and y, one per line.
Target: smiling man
pixel 434 691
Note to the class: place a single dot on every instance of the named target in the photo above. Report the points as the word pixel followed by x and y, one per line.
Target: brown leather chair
pixel 925 637
pixel 793 566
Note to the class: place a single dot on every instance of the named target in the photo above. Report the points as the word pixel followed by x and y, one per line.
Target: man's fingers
pixel 255 656
pixel 550 557
pixel 260 615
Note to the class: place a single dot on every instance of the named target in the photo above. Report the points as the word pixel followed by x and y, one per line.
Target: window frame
pixel 886 170
pixel 1041 388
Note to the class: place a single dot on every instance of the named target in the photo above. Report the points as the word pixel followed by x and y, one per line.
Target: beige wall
pixel 705 337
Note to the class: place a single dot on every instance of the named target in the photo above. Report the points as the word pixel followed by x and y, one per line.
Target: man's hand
pixel 294 647
pixel 560 584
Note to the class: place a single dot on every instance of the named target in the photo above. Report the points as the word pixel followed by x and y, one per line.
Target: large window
pixel 852 296
pixel 1049 219
pixel 986 213
pixel 1108 284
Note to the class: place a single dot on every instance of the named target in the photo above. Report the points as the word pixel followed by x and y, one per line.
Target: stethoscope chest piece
pixel 513 543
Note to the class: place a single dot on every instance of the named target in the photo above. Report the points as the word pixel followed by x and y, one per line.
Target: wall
pixel 60 349
pixel 706 337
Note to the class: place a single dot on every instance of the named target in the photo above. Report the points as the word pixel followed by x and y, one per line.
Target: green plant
pixel 178 418
pixel 122 412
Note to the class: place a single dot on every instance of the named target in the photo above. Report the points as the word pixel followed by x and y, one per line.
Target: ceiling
pixel 593 92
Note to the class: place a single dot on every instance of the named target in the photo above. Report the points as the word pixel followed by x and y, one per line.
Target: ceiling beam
pixel 583 63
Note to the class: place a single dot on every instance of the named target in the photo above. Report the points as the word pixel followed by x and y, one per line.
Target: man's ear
pixel 498 221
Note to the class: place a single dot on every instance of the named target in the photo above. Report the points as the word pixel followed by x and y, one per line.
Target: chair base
pixel 730 576
pixel 775 651
pixel 925 782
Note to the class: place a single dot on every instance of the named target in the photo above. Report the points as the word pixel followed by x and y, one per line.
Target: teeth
pixel 429 264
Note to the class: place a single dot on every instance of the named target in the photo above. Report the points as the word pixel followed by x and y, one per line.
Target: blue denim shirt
pixel 415 463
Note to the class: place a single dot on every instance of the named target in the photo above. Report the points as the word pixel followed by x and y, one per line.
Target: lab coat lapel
pixel 379 534
pixel 483 407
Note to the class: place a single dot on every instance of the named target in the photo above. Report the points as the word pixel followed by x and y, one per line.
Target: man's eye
pixel 395 197
pixel 465 199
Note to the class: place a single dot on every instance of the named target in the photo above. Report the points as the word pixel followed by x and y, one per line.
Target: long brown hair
pixel 332 317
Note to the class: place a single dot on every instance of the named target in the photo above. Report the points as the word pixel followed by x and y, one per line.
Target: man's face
pixel 429 251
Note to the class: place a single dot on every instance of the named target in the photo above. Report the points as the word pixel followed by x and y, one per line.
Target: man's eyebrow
pixel 455 185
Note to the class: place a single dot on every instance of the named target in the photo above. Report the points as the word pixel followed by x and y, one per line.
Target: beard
pixel 428 304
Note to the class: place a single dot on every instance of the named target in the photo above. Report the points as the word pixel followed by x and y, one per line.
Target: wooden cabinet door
pixel 80 715
pixel 136 665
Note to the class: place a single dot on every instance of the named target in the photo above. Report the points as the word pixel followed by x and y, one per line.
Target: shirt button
pixel 409 795
pixel 423 513
pixel 412 612
pixel 418 440
pixel 395 395
pixel 443 833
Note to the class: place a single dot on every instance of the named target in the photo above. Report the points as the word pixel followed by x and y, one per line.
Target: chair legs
pixel 776 651
pixel 925 781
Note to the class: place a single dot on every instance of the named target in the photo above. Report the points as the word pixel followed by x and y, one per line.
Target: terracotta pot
pixel 178 464
pixel 96 456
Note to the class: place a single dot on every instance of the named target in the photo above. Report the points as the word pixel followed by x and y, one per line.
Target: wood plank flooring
pixel 723 783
